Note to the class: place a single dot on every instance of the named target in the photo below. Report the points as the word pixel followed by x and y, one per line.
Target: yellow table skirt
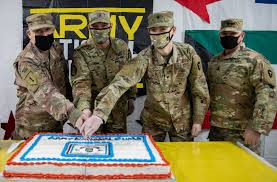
pixel 203 162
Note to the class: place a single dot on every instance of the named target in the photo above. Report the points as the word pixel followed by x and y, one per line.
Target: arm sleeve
pixel 127 77
pixel 132 92
pixel 199 89
pixel 262 78
pixel 40 86
pixel 81 81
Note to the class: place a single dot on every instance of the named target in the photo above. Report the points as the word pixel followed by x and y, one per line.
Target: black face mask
pixel 44 42
pixel 229 42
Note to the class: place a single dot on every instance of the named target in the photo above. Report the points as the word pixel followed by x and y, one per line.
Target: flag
pixel 8 127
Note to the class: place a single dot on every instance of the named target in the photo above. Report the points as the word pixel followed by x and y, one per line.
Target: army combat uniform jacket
pixel 242 88
pixel 167 101
pixel 41 79
pixel 92 70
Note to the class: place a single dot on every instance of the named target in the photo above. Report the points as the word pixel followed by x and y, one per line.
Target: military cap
pixel 40 20
pixel 232 25
pixel 161 19
pixel 99 16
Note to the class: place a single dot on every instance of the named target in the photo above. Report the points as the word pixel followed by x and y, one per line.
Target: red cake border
pixel 77 176
pixel 62 176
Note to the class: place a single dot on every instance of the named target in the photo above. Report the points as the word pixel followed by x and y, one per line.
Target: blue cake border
pixel 108 154
pixel 89 159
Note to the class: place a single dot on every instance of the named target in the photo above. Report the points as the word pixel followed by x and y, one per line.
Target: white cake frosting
pixel 100 156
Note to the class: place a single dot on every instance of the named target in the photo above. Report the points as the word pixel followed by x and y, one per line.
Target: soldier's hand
pixel 196 128
pixel 87 112
pixel 131 106
pixel 251 137
pixel 91 125
pixel 80 121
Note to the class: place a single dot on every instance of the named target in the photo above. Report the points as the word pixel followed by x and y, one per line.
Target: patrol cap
pixel 161 19
pixel 99 16
pixel 40 20
pixel 232 25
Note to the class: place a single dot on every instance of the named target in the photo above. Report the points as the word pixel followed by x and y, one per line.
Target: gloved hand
pixel 80 121
pixel 87 112
pixel 90 126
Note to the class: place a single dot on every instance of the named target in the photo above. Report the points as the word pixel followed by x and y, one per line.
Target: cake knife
pixel 14 146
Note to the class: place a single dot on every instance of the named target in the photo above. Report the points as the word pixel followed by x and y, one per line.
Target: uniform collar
pixel 174 56
pixel 43 56
pixel 234 54
pixel 160 60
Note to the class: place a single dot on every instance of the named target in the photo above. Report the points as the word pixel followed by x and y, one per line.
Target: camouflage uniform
pixel 242 88
pixel 94 68
pixel 167 107
pixel 41 79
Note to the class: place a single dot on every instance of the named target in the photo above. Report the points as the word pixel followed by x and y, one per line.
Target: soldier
pixel 168 67
pixel 40 71
pixel 242 87
pixel 95 63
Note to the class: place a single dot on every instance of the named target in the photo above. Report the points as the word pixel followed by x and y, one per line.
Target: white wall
pixel 11 41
